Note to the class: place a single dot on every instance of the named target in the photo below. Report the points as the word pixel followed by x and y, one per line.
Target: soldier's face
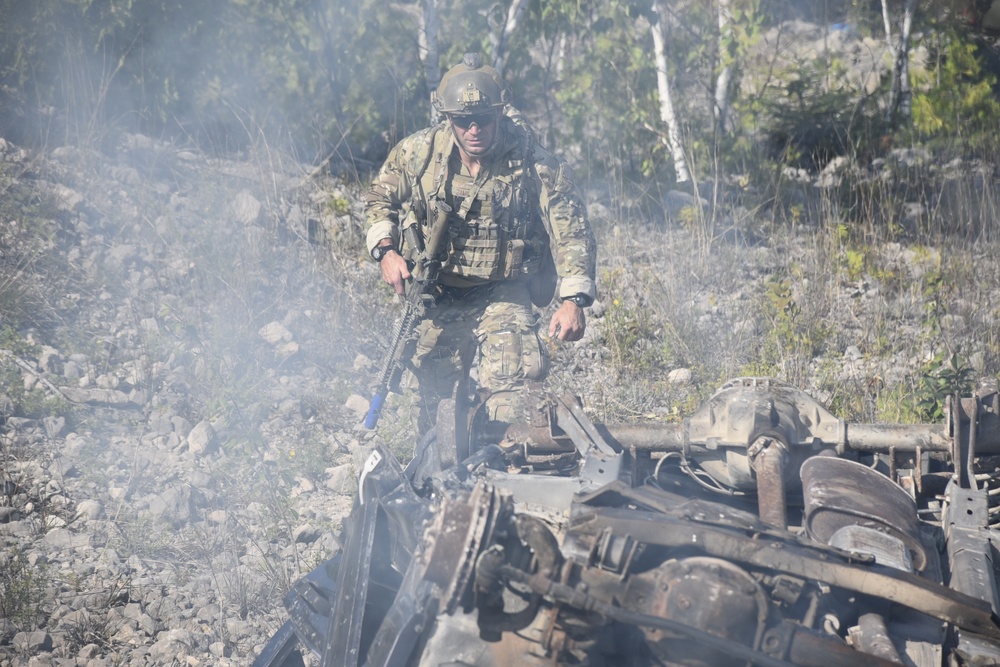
pixel 475 134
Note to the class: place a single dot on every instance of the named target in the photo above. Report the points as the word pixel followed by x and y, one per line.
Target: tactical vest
pixel 495 233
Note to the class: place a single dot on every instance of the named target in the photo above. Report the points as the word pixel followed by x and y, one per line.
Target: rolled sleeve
pixel 381 229
pixel 565 219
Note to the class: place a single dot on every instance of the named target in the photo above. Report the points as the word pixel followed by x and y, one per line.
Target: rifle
pixel 426 264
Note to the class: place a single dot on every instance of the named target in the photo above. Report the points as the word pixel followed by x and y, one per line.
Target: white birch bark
pixel 722 83
pixel 905 94
pixel 667 115
pixel 425 13
pixel 900 95
pixel 501 34
pixel 429 54
pixel 561 57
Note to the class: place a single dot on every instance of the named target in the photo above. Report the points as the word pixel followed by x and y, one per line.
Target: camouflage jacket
pixel 524 197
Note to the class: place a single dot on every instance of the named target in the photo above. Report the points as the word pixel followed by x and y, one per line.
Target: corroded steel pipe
pixel 671 437
pixel 901 437
pixel 768 458
pixel 645 437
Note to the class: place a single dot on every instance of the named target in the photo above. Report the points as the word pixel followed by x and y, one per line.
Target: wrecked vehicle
pixel 762 530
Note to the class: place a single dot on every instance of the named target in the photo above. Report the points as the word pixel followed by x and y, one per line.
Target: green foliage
pixel 815 117
pixel 22 587
pixel 944 375
pixel 792 336
pixel 633 339
pixel 956 96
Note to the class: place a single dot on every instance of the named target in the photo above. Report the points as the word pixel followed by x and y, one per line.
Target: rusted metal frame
pixel 966 522
pixel 571 419
pixel 754 549
pixel 578 599
pixel 768 456
pixel 807 648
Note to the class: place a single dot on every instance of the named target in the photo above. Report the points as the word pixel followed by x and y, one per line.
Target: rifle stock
pixel 418 297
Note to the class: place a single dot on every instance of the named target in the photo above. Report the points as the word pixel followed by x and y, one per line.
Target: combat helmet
pixel 470 88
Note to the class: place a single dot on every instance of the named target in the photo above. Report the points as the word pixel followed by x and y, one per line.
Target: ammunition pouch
pixel 534 261
pixel 513 259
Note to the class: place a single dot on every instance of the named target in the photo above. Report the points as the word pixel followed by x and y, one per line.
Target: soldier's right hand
pixel 395 271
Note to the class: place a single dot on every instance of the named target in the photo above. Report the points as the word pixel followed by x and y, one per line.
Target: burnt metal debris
pixel 761 530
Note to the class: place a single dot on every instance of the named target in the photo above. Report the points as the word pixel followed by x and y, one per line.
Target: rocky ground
pixel 187 343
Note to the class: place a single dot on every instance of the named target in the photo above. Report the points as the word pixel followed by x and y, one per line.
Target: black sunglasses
pixel 479 119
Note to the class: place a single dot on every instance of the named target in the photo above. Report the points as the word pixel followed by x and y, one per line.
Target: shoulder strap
pixel 418 164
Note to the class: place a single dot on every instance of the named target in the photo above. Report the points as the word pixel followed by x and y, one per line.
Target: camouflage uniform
pixel 521 203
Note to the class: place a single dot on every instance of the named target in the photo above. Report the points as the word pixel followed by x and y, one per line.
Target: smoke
pixel 218 74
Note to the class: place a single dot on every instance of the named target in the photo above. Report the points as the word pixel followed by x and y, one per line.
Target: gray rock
pixel 181 425
pixel 245 209
pixel 54 426
pixel 202 439
pixel 286 350
pixel 72 370
pixel 89 509
pixel 63 538
pixel 171 646
pixel 88 652
pixel 31 643
pixel 305 534
pixel 67 199
pixel 50 361
pixel 123 253
pixel 174 505
pixel 680 376
pixel 97 397
pixel 357 404
pixel 218 517
pixel 6 406
pixel 200 479
pixel 275 333
pixel 7 630
pixel 341 479
pixel 161 423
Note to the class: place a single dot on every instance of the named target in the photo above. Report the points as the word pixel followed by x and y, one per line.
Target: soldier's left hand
pixel 568 323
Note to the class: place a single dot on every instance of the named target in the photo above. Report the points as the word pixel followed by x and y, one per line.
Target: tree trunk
pixel 900 95
pixel 428 49
pixel 667 115
pixel 501 34
pixel 425 13
pixel 722 83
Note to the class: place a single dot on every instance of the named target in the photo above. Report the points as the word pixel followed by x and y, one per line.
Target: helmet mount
pixel 470 87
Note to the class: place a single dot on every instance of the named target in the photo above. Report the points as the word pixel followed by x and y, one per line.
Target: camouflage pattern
pixel 496 321
pixel 522 203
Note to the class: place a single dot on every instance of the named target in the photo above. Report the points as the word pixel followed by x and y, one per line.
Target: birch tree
pixel 900 95
pixel 724 80
pixel 667 115
pixel 503 30
pixel 425 13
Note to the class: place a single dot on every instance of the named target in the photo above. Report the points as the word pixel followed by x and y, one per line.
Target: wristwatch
pixel 380 251
pixel 581 300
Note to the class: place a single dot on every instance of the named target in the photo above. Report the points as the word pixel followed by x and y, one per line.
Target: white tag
pixel 370 465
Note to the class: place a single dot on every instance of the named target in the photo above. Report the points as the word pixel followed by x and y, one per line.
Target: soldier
pixel 515 212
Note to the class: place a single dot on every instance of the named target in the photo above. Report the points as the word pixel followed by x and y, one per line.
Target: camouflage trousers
pixel 492 329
